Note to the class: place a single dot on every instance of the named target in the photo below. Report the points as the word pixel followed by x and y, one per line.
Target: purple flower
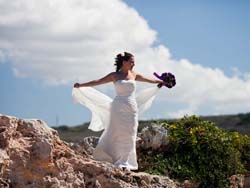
pixel 168 79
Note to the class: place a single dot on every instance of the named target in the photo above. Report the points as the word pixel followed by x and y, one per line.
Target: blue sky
pixel 205 43
pixel 211 33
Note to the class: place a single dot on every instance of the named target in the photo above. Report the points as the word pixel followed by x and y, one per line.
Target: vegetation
pixel 197 149
pixel 76 133
pixel 200 151
pixel 239 123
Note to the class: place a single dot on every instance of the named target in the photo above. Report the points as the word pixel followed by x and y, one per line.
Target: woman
pixel 118 117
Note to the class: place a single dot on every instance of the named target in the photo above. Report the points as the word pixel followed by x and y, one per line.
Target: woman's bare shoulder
pixel 113 75
pixel 136 74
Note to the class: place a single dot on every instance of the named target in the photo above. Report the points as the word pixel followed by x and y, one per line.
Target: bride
pixel 119 116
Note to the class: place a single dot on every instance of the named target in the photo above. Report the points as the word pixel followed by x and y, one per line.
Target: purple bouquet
pixel 168 79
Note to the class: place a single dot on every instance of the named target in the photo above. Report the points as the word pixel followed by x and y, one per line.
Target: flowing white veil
pixel 100 104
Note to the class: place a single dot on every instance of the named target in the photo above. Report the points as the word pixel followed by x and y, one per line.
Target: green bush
pixel 200 151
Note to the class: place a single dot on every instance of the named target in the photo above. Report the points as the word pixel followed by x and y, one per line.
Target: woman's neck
pixel 125 71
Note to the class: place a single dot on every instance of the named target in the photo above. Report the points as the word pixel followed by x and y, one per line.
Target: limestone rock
pixel 153 136
pixel 86 146
pixel 32 155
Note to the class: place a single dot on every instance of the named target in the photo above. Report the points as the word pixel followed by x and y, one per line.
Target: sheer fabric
pixel 119 119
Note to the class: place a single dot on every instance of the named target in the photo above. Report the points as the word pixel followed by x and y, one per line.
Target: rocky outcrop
pixel 152 137
pixel 85 146
pixel 32 155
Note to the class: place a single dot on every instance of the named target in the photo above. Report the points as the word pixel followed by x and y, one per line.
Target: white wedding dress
pixel 118 118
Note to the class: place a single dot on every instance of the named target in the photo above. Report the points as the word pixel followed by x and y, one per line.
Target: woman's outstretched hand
pixel 162 83
pixel 76 85
pixel 159 85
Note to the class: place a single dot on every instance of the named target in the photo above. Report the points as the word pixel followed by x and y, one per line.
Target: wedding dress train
pixel 119 119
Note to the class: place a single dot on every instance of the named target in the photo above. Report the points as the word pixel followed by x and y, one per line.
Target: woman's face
pixel 130 63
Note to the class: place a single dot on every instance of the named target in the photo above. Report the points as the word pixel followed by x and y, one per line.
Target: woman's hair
pixel 120 58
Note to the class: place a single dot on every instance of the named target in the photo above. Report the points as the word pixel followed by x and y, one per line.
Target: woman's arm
pixel 105 79
pixel 145 79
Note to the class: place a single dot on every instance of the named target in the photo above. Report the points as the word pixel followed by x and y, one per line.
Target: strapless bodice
pixel 125 88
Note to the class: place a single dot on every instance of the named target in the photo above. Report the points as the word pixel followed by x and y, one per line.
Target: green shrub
pixel 200 151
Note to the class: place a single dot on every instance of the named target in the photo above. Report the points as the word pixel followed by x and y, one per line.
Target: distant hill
pixel 239 123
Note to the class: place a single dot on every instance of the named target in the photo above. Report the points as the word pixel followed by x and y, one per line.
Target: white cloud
pixel 60 41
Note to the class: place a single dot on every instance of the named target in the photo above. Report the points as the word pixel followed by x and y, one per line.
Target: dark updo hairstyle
pixel 120 58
